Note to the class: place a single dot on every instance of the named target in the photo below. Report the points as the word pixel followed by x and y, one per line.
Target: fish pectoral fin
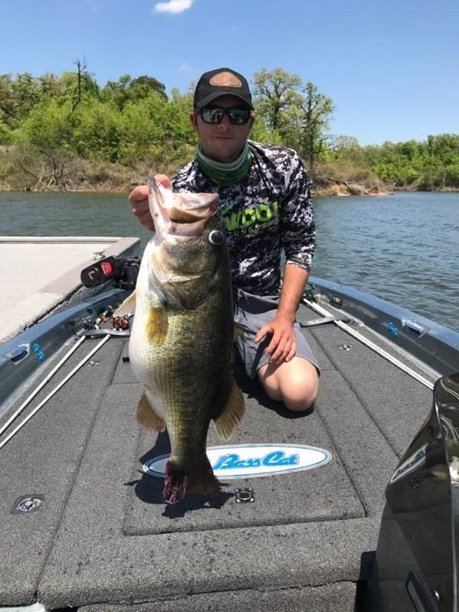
pixel 232 414
pixel 157 325
pixel 239 330
pixel 126 307
pixel 146 415
pixel 184 278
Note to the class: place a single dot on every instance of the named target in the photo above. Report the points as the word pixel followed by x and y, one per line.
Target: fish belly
pixel 188 376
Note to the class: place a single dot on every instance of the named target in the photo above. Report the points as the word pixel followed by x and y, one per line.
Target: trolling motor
pixel 122 271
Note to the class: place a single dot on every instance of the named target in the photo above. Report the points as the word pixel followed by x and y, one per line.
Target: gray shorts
pixel 253 311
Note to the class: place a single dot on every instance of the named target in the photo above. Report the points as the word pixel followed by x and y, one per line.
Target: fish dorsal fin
pixel 157 325
pixel 126 307
pixel 232 414
pixel 147 416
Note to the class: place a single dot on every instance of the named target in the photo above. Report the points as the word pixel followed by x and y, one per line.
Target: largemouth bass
pixel 180 347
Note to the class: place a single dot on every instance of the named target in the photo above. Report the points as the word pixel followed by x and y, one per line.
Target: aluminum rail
pixel 27 401
pixel 56 389
pixel 374 347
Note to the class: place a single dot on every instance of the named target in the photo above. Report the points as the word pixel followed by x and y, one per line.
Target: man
pixel 265 202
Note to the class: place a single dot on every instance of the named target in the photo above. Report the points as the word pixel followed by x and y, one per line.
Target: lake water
pixel 403 248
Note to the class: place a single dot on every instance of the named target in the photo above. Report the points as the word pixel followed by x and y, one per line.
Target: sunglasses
pixel 215 114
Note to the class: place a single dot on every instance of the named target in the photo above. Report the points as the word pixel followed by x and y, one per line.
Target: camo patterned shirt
pixel 267 212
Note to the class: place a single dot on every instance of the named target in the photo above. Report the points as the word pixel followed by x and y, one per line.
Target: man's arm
pixel 282 346
pixel 298 242
pixel 293 286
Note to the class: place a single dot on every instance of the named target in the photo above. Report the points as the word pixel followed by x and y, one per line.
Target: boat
pixel 349 506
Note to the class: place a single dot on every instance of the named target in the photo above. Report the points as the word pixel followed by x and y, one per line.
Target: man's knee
pixel 295 383
pixel 300 392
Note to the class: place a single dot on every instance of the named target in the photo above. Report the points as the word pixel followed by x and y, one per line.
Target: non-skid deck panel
pixel 323 493
pixel 396 402
pixel 368 459
pixel 42 460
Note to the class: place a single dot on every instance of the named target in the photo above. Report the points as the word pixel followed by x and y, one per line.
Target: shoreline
pixel 325 188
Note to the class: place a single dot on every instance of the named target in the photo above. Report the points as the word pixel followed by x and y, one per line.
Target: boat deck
pixel 103 540
pixel 38 273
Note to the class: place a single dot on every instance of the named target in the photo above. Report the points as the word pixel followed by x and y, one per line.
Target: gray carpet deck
pixel 104 540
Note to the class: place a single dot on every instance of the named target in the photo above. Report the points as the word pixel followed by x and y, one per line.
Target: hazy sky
pixel 390 66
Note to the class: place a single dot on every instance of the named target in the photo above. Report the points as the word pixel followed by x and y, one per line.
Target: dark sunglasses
pixel 215 114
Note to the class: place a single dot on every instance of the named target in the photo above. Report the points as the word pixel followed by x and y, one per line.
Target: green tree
pixel 7 103
pixel 27 94
pixel 275 93
pixel 96 130
pixel 143 129
pixel 315 111
pixel 344 148
pixel 5 134
pixel 51 85
pixel 46 136
pixel 126 89
pixel 295 113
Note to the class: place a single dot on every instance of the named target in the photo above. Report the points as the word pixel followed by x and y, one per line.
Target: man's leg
pixel 295 383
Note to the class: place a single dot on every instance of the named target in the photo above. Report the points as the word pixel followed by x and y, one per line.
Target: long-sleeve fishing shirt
pixel 266 212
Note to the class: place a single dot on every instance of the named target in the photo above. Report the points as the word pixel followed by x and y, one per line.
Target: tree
pixel 85 84
pixel 126 89
pixel 316 108
pixel 45 136
pixel 295 113
pixel 275 92
pixel 143 126
pixel 51 85
pixel 96 130
pixel 7 109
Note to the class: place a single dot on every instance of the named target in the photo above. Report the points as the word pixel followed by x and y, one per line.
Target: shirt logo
pixel 243 219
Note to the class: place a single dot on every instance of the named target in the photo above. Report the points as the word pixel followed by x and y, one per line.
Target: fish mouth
pixel 180 214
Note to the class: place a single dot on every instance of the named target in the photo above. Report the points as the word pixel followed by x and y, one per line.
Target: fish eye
pixel 216 237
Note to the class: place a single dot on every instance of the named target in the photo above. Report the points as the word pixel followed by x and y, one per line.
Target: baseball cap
pixel 220 82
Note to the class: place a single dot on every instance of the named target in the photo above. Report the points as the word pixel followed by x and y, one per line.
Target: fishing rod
pixel 355 334
pixel 59 386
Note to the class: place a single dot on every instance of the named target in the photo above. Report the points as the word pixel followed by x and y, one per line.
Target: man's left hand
pixel 282 346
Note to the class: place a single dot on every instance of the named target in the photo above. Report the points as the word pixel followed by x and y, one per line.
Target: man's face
pixel 223 141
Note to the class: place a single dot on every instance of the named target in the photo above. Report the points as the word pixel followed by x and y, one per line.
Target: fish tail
pixel 179 482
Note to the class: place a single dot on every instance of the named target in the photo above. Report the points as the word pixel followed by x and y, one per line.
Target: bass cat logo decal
pixel 253 460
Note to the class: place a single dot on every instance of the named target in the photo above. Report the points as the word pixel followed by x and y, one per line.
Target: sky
pixel 391 67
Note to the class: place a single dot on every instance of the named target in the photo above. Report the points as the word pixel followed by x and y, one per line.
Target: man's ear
pixel 253 116
pixel 194 119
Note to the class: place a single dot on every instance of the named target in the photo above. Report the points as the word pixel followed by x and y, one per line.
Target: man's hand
pixel 139 201
pixel 282 346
